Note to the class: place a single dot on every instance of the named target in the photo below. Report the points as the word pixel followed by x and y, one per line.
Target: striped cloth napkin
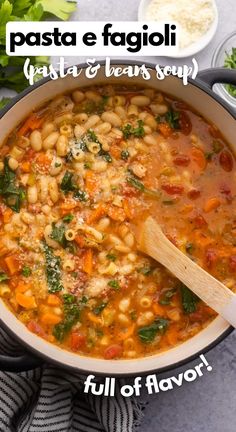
pixel 50 399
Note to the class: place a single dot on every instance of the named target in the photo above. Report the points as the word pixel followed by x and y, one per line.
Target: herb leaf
pixel 98 309
pixel 230 63
pixel 72 311
pixel 3 277
pixel 68 185
pixel 26 271
pixel 166 297
pixel 147 334
pixel 105 154
pixel 53 269
pixel 140 186
pixel 128 130
pixel 58 234
pixel 68 218
pixel 189 299
pixel 13 195
pixel 125 155
pixel 172 118
pixel 145 270
pixel 111 257
pixel 114 284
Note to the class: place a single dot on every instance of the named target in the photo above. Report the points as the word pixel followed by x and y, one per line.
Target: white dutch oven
pixel 197 94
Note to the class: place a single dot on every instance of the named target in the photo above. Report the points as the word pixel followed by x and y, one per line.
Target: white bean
pixel 92 121
pixel 159 109
pixel 36 140
pixel 50 141
pixel 140 100
pixel 53 190
pixel 47 129
pixel 13 164
pixel 78 96
pixel 32 194
pixel 112 118
pixel 62 145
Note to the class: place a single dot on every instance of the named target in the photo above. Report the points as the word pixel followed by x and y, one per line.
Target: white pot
pixel 202 99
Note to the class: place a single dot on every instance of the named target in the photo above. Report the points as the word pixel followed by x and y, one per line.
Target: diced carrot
pixel 96 214
pixel 13 264
pixel 187 208
pixel 127 209
pixel 53 300
pixel 115 151
pixel 80 241
pixel 22 287
pixel 158 309
pixel 67 206
pixel 211 204
pixel 3 250
pixel 88 261
pixel 165 129
pixel 172 336
pixel 199 158
pixel 27 302
pixel 91 181
pixel 43 160
pixel 202 239
pixel 25 167
pixel 116 213
pixel 7 214
pixel 49 318
pixel 128 333
pixel 95 319
pixel 33 122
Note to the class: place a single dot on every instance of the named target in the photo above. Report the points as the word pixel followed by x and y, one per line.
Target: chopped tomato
pixel 113 351
pixel 29 155
pixel 173 189
pixel 211 257
pixel 165 129
pixel 129 191
pixel 226 161
pixel 199 158
pixel 232 263
pixel 182 160
pixel 214 131
pixel 185 123
pixel 193 194
pixel 196 316
pixel 35 328
pixel 77 341
pixel 199 221
pixel 226 191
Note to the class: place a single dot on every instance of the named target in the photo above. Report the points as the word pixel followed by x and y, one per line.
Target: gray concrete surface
pixel 209 403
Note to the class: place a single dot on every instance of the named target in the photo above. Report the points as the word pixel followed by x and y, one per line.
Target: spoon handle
pixel 216 295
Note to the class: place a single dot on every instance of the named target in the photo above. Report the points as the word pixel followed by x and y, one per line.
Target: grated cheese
pixel 194 17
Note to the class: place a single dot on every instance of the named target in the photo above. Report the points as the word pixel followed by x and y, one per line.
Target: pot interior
pixel 212 111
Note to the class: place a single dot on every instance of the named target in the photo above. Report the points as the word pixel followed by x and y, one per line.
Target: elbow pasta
pixel 79 176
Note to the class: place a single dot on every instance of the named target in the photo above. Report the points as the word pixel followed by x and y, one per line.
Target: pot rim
pixel 203 87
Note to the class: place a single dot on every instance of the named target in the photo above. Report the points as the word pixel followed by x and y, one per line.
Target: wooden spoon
pixel 153 242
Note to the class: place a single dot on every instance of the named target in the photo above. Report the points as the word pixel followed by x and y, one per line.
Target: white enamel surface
pixel 193 48
pixel 210 109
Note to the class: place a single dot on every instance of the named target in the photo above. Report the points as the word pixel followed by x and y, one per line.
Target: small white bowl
pixel 193 48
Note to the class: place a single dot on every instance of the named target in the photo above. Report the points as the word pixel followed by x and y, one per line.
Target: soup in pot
pixel 77 177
